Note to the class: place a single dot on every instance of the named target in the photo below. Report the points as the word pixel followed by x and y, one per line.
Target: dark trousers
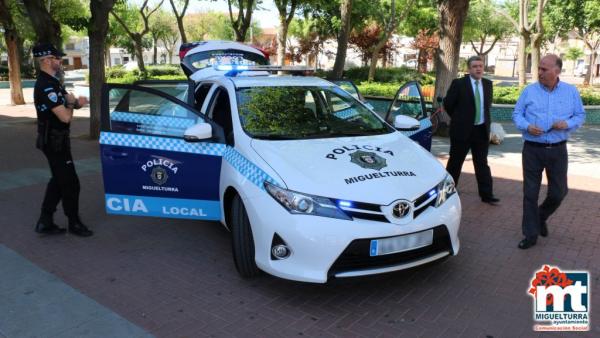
pixel 535 160
pixel 64 183
pixel 478 142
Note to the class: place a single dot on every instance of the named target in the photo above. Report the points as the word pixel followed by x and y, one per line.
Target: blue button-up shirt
pixel 541 107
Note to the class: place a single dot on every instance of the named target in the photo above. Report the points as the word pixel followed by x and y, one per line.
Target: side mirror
pixel 198 132
pixel 406 123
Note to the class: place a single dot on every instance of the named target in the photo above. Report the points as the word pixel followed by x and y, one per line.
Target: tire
pixel 242 242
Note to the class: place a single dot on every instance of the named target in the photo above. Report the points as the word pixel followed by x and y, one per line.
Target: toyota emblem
pixel 401 209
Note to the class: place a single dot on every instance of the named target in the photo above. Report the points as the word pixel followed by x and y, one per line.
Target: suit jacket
pixel 459 103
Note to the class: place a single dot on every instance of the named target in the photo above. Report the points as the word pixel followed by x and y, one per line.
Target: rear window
pixel 224 57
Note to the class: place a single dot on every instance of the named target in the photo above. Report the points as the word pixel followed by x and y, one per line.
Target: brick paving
pixel 176 278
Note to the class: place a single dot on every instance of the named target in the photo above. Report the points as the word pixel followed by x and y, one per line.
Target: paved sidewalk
pixel 34 303
pixel 176 278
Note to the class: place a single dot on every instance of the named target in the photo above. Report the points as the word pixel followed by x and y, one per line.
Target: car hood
pixel 373 169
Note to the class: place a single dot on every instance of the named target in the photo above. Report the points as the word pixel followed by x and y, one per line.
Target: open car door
pixel 148 167
pixel 180 89
pixel 409 101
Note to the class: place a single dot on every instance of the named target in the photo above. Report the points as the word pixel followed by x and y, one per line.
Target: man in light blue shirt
pixel 546 113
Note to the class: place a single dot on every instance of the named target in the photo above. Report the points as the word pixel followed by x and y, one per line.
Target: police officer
pixel 54 107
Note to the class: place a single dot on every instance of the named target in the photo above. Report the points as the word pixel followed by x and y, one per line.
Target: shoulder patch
pixel 53 97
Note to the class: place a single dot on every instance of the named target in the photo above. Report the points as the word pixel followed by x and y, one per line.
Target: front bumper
pixel 323 247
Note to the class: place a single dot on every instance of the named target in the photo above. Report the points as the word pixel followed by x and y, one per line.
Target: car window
pixel 407 102
pixel 349 87
pixel 201 93
pixel 228 57
pixel 140 112
pixel 176 89
pixel 296 112
pixel 220 113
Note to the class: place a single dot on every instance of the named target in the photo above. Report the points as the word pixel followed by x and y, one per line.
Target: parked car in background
pixel 581 69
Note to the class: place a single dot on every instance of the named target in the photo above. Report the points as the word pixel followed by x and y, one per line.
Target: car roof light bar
pixel 234 70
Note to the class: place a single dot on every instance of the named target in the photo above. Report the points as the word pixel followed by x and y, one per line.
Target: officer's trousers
pixel 64 183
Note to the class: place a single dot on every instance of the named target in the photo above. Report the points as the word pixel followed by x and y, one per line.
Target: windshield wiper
pixel 357 133
pixel 274 137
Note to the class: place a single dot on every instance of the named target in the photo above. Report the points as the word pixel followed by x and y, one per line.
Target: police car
pixel 311 183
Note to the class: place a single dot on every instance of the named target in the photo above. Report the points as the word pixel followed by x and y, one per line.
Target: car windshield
pixel 298 112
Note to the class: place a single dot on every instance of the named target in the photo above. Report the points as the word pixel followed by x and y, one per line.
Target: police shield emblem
pixel 53 97
pixel 368 160
pixel 159 175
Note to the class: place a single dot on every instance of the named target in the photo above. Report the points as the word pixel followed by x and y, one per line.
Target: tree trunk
pixel 375 57
pixel 422 61
pixel 342 41
pixel 452 19
pixel 154 50
pixel 14 48
pixel 181 30
pixel 139 55
pixel 282 40
pixel 522 57
pixel 97 30
pixel 46 29
pixel 536 43
pixel 14 67
pixel 592 67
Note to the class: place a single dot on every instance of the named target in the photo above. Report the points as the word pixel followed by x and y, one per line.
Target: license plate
pixel 397 244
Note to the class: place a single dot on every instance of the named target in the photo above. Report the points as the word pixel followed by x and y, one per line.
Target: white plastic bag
pixel 497 133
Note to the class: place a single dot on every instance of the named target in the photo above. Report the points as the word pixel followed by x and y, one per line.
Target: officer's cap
pixel 45 49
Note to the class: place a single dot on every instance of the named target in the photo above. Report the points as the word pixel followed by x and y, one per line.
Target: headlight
pixel 304 204
pixel 445 189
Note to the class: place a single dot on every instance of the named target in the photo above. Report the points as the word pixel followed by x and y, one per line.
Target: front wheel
pixel 242 242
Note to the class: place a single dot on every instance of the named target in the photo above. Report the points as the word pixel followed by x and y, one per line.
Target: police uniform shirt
pixel 47 94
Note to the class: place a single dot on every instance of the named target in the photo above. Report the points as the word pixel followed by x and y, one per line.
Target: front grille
pixel 363 215
pixel 372 212
pixel 356 255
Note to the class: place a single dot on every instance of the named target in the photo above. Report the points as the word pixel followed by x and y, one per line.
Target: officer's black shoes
pixel 77 228
pixel 492 200
pixel 543 229
pixel 46 227
pixel 527 243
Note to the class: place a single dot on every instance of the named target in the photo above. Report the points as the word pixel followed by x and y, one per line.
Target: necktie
pixel 477 103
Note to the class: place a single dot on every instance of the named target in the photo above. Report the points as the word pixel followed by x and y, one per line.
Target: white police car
pixel 311 183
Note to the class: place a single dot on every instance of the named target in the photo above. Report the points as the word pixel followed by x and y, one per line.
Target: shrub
pixel 115 72
pixel 163 70
pixel 506 95
pixel 378 89
pixel 385 75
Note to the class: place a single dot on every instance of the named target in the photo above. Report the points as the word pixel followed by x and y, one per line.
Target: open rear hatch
pixel 199 59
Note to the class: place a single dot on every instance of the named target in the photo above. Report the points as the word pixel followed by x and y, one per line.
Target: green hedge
pixel 502 95
pixel 384 75
pixel 131 78
pixel 120 75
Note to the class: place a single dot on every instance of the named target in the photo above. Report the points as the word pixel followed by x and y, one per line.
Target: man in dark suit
pixel 468 103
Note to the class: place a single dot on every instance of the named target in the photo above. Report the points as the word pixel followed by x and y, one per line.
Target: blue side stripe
pixel 245 167
pixel 248 169
pixel 161 143
pixel 162 207
pixel 154 120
